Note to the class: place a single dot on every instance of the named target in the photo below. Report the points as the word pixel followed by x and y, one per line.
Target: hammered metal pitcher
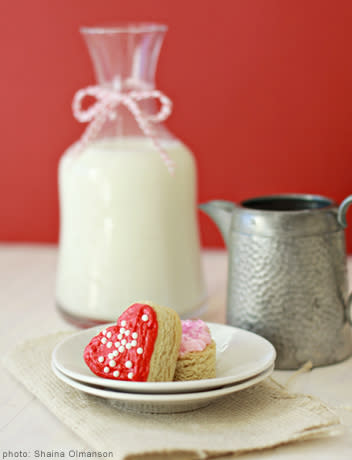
pixel 287 276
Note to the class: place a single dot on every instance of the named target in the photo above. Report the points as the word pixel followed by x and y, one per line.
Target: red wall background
pixel 262 93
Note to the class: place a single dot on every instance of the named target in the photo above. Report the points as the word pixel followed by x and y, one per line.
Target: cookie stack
pixel 150 343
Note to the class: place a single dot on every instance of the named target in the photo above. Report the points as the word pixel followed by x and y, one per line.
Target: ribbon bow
pixel 105 106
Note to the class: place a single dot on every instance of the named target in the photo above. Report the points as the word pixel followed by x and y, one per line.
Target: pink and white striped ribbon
pixel 107 100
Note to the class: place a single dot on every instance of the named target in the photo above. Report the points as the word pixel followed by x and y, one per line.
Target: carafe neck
pixel 125 56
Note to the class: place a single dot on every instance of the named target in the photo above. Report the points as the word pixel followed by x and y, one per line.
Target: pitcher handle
pixel 348 310
pixel 341 218
pixel 341 215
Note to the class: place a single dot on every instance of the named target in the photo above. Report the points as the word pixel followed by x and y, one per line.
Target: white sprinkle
pixel 122 330
pixel 134 335
pixel 123 341
pixel 109 344
pixel 121 349
pixel 115 353
pixel 123 323
pixel 130 375
pixel 117 344
pixel 145 318
pixel 108 335
pixel 110 355
pixel 127 333
pixel 128 346
pixel 116 373
pixel 128 364
pixel 106 369
pixel 112 363
pixel 139 351
pixel 103 340
pixel 133 343
pixel 103 332
pixel 119 336
pixel 101 359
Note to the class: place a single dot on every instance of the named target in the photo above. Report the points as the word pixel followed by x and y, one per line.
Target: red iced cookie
pixel 131 349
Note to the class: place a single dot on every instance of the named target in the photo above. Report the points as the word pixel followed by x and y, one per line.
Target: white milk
pixel 128 229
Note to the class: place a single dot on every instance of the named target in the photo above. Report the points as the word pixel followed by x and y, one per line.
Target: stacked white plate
pixel 243 359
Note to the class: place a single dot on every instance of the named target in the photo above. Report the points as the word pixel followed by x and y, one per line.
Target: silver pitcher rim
pixel 323 203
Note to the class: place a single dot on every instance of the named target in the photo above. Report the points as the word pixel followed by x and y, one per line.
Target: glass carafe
pixel 128 227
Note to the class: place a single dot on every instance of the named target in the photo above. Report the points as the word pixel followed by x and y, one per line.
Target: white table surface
pixel 27 279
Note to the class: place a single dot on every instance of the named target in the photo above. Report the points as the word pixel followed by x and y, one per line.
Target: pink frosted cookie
pixel 197 354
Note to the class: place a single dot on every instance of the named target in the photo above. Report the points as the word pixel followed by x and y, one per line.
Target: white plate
pixel 240 355
pixel 161 403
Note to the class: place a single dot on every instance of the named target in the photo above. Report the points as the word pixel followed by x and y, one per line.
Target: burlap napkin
pixel 259 417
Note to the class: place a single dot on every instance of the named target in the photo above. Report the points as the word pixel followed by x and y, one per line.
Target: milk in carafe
pixel 128 229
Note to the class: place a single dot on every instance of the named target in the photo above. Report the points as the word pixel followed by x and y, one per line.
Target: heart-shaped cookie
pixel 124 351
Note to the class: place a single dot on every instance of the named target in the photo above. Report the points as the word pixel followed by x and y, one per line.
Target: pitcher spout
pixel 220 212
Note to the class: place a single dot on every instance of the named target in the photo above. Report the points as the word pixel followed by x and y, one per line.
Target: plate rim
pixel 161 387
pixel 162 398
